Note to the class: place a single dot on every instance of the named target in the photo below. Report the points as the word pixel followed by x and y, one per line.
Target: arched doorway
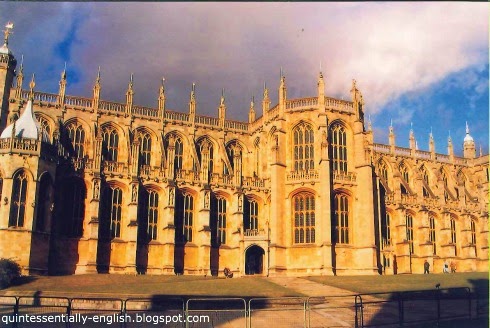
pixel 254 260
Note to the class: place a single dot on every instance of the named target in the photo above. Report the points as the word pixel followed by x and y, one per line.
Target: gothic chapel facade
pixel 89 185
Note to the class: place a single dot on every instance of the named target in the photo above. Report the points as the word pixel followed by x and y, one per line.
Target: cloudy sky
pixel 425 63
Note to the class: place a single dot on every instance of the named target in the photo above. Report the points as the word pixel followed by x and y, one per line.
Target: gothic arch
pixel 293 193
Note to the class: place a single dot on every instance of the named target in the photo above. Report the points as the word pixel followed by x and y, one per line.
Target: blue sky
pixel 411 63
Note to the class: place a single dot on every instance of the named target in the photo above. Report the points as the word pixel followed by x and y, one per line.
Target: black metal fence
pixel 361 310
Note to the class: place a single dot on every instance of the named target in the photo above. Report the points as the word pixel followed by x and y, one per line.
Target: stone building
pixel 89 185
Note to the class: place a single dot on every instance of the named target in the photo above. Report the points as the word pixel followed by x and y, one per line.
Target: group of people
pixel 445 268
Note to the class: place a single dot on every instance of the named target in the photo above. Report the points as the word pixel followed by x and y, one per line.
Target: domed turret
pixel 27 127
pixel 469 150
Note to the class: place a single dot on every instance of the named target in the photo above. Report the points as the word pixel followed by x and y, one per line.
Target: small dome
pixel 468 138
pixel 4 50
pixel 26 126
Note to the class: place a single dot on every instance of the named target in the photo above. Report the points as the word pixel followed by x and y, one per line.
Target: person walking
pixel 446 267
pixel 453 267
pixel 426 267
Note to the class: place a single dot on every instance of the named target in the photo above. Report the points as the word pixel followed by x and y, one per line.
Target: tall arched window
pixel 113 203
pixel 386 230
pixel 179 153
pixel 453 230
pixel 77 138
pixel 473 232
pixel 341 220
pixel 338 147
pixel 44 125
pixel 188 217
pixel 304 218
pixel 234 152
pixel 205 151
pixel 409 229
pixel 1 187
pixel 145 148
pixel 383 171
pixel 404 173
pixel 110 143
pixel 304 154
pixel 221 231
pixel 18 200
pixel 432 234
pixel 152 228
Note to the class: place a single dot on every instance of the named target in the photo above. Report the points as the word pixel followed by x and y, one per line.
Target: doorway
pixel 254 260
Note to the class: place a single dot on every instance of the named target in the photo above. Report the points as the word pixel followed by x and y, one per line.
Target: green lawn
pixel 126 285
pixel 374 284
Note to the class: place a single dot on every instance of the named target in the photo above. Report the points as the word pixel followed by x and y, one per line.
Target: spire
pixel 282 92
pixel 469 149
pixel 129 96
pixel 321 89
pixel 481 152
pixel 7 32
pixel 62 89
pixel 431 144
pixel 32 84
pixel 222 109
pixel 96 89
pixel 391 138
pixel 370 126
pixel 161 99
pixel 192 102
pixel 450 150
pixel 251 112
pixel 20 79
pixel 266 102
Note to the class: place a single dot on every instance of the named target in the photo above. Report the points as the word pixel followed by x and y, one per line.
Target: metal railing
pixel 361 310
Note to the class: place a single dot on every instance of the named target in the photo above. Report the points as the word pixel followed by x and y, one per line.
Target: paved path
pixel 329 306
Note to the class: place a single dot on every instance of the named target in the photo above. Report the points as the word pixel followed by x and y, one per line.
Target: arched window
pixel 453 231
pixel 386 230
pixel 341 220
pixel 234 152
pixel 473 232
pixel 338 147
pixel 204 150
pixel 44 125
pixel 251 217
pixel 188 217
pixel 152 230
pixel 404 173
pixel 432 233
pixel 18 200
pixel 1 187
pixel 77 139
pixel 409 229
pixel 113 210
pixel 179 153
pixel 304 154
pixel 145 148
pixel 110 143
pixel 221 231
pixel 304 218
pixel 383 171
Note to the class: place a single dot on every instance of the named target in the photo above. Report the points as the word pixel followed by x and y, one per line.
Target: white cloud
pixel 390 48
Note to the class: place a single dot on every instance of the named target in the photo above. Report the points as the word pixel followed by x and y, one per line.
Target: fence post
pixel 68 312
pixel 16 310
pixel 359 307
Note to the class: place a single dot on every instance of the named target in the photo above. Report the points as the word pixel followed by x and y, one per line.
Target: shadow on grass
pixel 451 307
pixel 23 280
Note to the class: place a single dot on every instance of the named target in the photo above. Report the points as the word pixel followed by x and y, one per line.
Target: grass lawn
pixel 374 284
pixel 146 285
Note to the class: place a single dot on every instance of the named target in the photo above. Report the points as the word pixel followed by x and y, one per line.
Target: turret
pixel 62 89
pixel 7 73
pixel 251 112
pixel 19 80
pixel 469 150
pixel 358 101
